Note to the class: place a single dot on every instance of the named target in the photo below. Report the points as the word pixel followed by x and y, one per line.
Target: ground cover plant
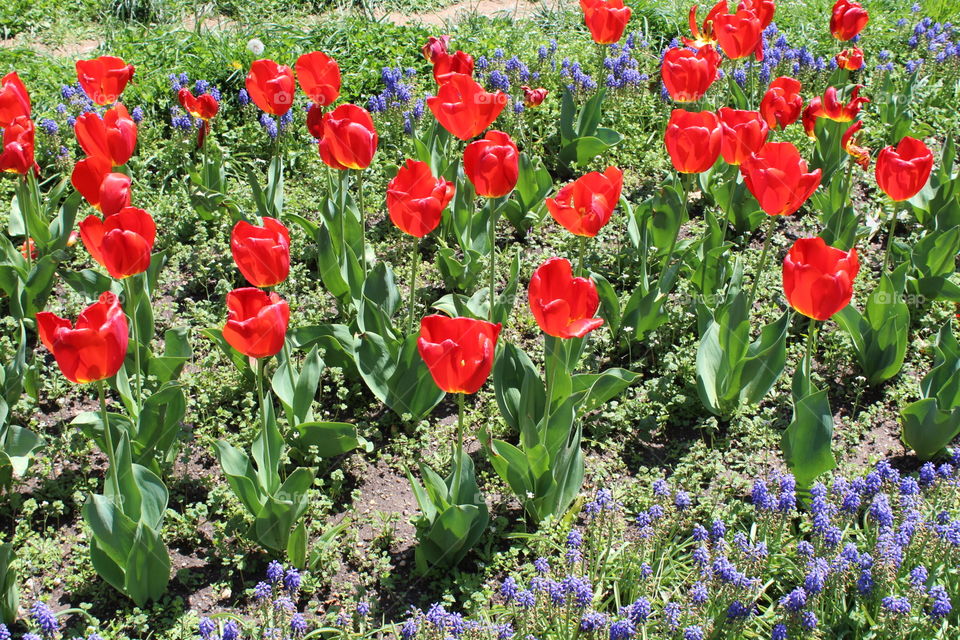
pixel 330 326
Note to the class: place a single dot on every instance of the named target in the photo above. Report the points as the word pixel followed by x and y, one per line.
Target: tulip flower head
pixel 435 46
pixel 688 75
pixel 31 246
pixel 348 138
pixel 860 155
pixel 739 34
pixel 416 199
pixel 606 19
pixel 92 350
pixel 447 64
pixel 533 97
pixel 204 106
pixel 782 104
pixel 17 152
pixel 112 137
pixel 256 322
pixel 458 352
pixel 850 59
pixel 271 86
pixel 818 278
pixel 829 106
pixel 103 79
pixel 764 10
pixel 693 140
pixel 492 164
pixel 14 99
pixel 122 242
pixel 902 171
pixel 105 191
pixel 319 77
pixel 262 253
pixel 585 206
pixel 464 108
pixel 705 35
pixel 847 20
pixel 777 177
pixel 744 132
pixel 563 306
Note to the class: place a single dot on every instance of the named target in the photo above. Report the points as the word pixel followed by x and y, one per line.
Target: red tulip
pixel 416 199
pixel 319 77
pixel 204 106
pixel 492 164
pixel 693 140
pixel 458 351
pixel 122 243
pixel 271 86
pixel 262 253
pixel 847 20
pixel 850 59
pixel 902 171
pixel 739 34
pixel 777 177
pixel 860 155
pixel 434 47
pixel 744 132
pixel 562 305
pixel 92 350
pixel 464 108
pixel 256 322
pixel 830 107
pixel 584 206
pixel 14 99
pixel 105 191
pixel 447 64
pixel 17 153
pixel 687 75
pixel 533 97
pixel 34 252
pixel 764 9
pixel 606 19
pixel 348 139
pixel 782 104
pixel 706 35
pixel 818 279
pixel 112 137
pixel 103 79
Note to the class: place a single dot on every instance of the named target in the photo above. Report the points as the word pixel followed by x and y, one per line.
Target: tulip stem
pixel 811 347
pixel 263 412
pixel 25 213
pixel 363 225
pixel 108 439
pixel 771 227
pixel 414 263
pixel 583 246
pixel 458 451
pixel 493 257
pixel 132 310
pixel 684 195
pixel 893 228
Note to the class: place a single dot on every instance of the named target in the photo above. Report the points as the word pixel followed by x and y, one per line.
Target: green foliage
pixel 933 421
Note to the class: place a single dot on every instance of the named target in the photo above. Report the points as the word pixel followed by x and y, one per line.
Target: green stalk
pixel 25 213
pixel 414 263
pixel 111 452
pixel 583 246
pixel 132 312
pixel 288 357
pixel 771 226
pixel 493 258
pixel 811 347
pixel 458 449
pixel 685 190
pixel 893 228
pixel 363 225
